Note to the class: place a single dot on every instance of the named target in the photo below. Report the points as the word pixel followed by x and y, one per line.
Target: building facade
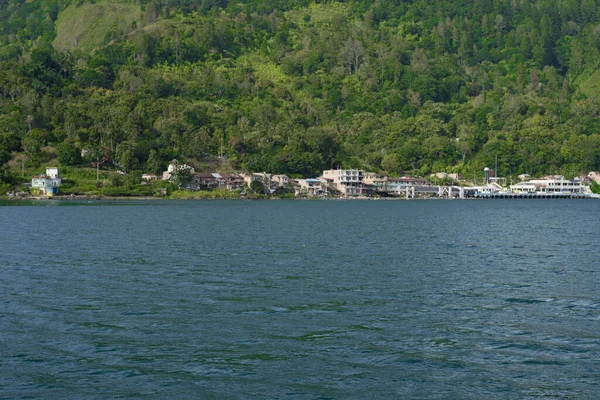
pixel 46 184
pixel 349 182
pixel 552 184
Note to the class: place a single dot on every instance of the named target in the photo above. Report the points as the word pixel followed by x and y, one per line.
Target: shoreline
pixel 68 198
pixel 152 198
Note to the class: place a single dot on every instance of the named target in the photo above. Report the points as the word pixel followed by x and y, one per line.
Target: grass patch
pixel 204 195
pixel 87 27
pixel 590 86
pixel 319 14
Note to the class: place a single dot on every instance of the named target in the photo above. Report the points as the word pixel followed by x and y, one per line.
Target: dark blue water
pixel 300 300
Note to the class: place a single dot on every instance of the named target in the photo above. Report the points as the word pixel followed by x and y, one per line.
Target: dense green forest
pixel 299 86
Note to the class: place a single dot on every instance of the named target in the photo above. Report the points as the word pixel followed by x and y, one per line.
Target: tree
pixel 153 164
pixel 257 187
pixel 33 142
pixel 181 176
pixel 390 163
pixel 68 154
pixel 352 54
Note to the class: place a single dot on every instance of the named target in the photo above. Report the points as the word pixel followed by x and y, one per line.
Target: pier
pixel 459 192
pixel 538 195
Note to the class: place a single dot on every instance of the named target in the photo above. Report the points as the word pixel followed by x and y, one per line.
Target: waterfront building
pixel 263 178
pixel 203 181
pixel 280 180
pixel 214 180
pixel 313 187
pixel 232 181
pixel 377 182
pixel 349 182
pixel 46 184
pixel 550 184
pixel 393 186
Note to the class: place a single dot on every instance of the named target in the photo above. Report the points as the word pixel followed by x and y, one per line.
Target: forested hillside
pixel 299 86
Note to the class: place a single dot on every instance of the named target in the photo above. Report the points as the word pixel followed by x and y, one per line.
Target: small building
pixel 203 181
pixel 313 187
pixel 280 180
pixel 46 184
pixel 524 177
pixel 233 181
pixel 377 182
pixel 439 175
pixel 149 177
pixel 392 186
pixel 398 186
pixel 262 177
pixel 214 180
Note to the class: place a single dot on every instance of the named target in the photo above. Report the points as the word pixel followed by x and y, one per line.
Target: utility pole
pixel 496 168
pixel 221 146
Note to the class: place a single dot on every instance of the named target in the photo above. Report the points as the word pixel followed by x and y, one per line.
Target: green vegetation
pixel 204 195
pixel 90 26
pixel 298 86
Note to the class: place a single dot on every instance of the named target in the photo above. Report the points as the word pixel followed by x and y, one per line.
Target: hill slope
pixel 299 86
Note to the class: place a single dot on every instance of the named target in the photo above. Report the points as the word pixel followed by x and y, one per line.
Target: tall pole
pixel 496 168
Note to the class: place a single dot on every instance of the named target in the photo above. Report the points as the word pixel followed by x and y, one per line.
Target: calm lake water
pixel 494 299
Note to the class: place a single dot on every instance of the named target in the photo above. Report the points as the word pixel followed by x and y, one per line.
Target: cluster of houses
pixel 342 182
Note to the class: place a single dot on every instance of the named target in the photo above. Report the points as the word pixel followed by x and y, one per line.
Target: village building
pixel 149 177
pixel 349 182
pixel 261 177
pixel 312 187
pixel 232 181
pixel 214 180
pixel 550 184
pixel 203 181
pixel 46 184
pixel 398 186
pixel 280 180
pixel 439 175
pixel 392 186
